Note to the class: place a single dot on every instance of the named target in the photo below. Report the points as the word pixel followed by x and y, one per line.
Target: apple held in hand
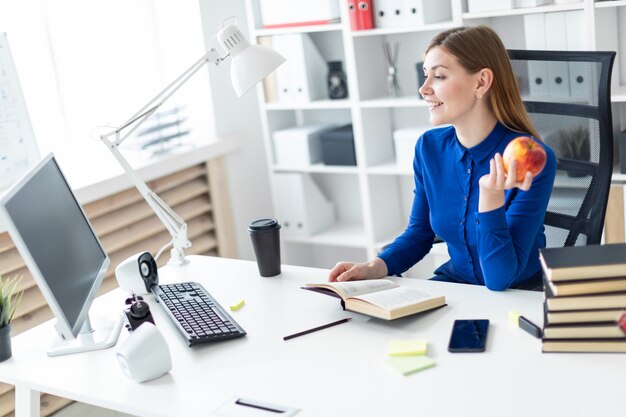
pixel 529 155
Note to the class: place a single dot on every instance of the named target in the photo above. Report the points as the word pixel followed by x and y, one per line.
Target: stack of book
pixel 585 298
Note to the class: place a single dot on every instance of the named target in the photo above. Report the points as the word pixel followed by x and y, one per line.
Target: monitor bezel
pixel 66 329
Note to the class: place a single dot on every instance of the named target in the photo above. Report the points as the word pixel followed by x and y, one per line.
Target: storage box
pixel 410 13
pixel 303 209
pixel 531 3
pixel 338 146
pixel 404 141
pixel 288 13
pixel 478 6
pixel 299 146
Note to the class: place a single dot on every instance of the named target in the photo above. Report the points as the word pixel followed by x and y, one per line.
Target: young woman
pixel 492 222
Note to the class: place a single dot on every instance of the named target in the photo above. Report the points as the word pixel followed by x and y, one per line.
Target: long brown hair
pixel 480 47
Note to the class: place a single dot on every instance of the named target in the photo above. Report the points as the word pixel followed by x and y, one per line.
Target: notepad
pixel 406 347
pixel 407 365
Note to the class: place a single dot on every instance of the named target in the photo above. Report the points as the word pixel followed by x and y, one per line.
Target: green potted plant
pixel 574 144
pixel 10 297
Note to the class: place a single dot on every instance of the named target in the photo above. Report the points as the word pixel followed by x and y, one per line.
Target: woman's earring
pixel 479 96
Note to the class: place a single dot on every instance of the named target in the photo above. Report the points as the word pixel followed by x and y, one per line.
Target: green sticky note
pixel 406 347
pixel 407 365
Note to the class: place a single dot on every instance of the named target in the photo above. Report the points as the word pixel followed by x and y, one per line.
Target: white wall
pixel 247 168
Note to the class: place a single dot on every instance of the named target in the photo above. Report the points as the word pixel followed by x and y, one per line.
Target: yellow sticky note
pixel 406 347
pixel 407 365
pixel 514 317
pixel 237 306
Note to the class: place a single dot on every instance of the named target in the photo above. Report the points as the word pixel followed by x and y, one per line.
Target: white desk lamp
pixel 250 64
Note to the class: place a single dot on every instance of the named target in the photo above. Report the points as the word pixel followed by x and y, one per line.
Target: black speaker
pixel 337 85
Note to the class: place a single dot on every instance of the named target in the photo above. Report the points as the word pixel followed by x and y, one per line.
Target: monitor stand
pixel 101 336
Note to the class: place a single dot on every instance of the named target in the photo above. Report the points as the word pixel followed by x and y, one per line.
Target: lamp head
pixel 250 63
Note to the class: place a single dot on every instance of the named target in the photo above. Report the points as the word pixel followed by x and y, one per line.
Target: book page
pixel 356 288
pixel 395 298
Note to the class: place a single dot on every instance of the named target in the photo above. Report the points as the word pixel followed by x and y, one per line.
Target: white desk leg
pixel 26 402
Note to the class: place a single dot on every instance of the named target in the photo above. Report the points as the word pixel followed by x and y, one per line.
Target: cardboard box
pixel 298 146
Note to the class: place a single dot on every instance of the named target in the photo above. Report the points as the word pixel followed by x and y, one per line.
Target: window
pixel 84 64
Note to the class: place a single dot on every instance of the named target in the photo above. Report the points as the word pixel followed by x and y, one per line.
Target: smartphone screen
pixel 468 336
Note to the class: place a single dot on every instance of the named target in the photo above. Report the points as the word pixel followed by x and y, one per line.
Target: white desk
pixel 340 371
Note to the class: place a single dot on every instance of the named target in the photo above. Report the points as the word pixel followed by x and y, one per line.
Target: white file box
pixel 531 3
pixel 289 13
pixel 302 77
pixel 556 40
pixel 404 144
pixel 479 6
pixel 535 33
pixel 303 209
pixel 299 146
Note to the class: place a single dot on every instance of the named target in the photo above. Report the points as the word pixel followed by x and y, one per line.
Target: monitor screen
pixel 57 243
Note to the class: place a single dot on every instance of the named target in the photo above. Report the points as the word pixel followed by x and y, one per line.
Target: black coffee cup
pixel 265 236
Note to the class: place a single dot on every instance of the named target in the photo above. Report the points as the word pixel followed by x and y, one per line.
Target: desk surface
pixel 333 372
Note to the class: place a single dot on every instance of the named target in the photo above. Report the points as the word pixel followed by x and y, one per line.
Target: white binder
pixel 303 76
pixel 579 73
pixel 556 40
pixel 415 13
pixel 388 13
pixel 282 75
pixel 303 210
pixel 535 33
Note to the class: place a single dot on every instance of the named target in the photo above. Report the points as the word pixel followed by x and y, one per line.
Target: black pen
pixel 525 324
pixel 314 329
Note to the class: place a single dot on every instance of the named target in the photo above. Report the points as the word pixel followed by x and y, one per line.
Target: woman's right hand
pixel 349 271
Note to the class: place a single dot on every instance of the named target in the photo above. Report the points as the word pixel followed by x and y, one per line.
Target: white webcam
pixel 138 273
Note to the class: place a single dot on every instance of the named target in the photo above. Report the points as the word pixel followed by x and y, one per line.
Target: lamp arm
pixel 153 105
pixel 174 224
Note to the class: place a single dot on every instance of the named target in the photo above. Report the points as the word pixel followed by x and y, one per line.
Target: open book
pixel 380 298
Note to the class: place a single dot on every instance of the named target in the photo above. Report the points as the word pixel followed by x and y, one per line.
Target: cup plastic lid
pixel 263 224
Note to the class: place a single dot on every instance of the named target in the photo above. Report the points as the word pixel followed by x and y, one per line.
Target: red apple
pixel 529 155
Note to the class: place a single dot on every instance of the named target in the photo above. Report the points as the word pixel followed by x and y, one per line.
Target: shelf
pixel 300 29
pixel 318 168
pixel 606 4
pixel 526 10
pixel 385 102
pixel 343 235
pixel 309 105
pixel 390 168
pixel 397 31
pixel 618 95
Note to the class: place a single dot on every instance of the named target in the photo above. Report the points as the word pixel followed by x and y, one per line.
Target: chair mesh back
pixel 567 95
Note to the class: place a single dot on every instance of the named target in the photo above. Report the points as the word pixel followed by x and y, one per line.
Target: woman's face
pixel 449 89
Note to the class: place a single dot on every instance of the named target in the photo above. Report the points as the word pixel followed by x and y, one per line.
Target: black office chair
pixel 568 96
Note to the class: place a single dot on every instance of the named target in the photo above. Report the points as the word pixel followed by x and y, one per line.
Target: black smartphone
pixel 469 336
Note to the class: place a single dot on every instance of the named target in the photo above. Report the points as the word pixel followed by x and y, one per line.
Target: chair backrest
pixel 567 95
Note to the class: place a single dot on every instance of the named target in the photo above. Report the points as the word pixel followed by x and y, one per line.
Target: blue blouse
pixel 498 248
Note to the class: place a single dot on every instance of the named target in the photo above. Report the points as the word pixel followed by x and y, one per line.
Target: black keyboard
pixel 196 314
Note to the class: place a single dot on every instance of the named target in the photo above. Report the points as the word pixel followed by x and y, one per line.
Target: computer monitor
pixel 62 252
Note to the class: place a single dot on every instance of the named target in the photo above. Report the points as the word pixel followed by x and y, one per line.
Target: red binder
pixel 352 13
pixel 364 14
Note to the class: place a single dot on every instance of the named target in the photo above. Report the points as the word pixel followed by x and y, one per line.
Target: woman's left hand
pixel 498 179
pixel 492 185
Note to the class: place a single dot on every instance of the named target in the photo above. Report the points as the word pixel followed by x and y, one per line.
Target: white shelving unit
pixel 373 199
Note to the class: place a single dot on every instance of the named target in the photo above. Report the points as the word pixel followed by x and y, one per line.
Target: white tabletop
pixel 336 371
